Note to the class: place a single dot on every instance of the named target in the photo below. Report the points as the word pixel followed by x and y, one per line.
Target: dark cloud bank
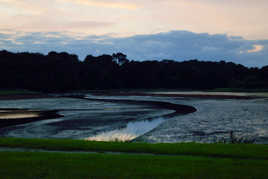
pixel 176 45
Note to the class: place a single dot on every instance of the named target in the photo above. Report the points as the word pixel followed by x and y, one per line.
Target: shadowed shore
pixel 122 93
pixel 200 96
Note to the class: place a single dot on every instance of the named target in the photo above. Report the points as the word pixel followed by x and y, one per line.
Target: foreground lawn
pixel 60 165
pixel 186 160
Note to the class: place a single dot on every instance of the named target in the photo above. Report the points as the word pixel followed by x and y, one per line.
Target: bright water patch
pixel 19 116
pixel 132 130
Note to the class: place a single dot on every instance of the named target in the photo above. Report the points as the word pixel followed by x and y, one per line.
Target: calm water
pixel 85 119
pixel 92 120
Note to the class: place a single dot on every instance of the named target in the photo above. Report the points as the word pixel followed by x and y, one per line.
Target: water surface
pixel 95 120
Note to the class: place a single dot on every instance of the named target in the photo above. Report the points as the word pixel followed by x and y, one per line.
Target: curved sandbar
pixel 178 108
pixel 9 117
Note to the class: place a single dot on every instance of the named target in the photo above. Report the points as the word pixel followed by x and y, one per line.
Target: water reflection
pixel 18 113
pixel 19 116
pixel 98 120
pixel 132 130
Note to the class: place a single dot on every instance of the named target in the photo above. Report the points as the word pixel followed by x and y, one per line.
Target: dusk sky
pixel 230 30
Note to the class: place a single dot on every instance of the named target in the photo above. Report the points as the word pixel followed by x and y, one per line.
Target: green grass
pixel 60 165
pixel 252 151
pixel 190 160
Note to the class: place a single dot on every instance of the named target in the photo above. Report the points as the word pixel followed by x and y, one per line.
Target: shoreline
pixel 198 96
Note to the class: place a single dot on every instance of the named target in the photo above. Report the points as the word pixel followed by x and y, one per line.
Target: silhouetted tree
pixel 120 58
pixel 62 72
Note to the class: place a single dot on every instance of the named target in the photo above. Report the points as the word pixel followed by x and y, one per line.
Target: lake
pixel 102 120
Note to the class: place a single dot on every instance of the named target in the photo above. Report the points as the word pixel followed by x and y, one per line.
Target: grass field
pixel 188 160
pixel 210 150
pixel 60 165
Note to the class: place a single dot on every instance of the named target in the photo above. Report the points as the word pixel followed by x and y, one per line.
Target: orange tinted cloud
pixel 256 48
pixel 230 17
pixel 106 4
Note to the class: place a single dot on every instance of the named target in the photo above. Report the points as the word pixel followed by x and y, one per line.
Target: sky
pixel 230 30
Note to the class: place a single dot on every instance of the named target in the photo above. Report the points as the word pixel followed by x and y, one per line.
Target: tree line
pixel 63 72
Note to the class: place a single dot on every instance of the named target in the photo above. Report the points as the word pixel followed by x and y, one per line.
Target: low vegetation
pixel 196 149
pixel 61 165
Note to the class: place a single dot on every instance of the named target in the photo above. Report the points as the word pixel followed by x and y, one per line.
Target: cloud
pixel 105 4
pixel 177 45
pixel 55 25
pixel 38 16
pixel 256 48
pixel 23 6
pixel 134 17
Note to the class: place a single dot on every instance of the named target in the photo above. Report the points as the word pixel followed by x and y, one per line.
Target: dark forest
pixel 64 72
